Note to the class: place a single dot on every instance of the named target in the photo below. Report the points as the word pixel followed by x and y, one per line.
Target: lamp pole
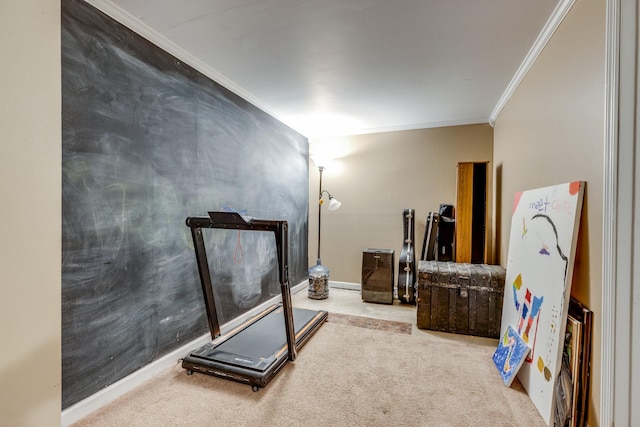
pixel 320 168
pixel 319 274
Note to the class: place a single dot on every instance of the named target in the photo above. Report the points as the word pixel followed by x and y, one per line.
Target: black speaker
pixel 446 210
pixel 446 233
pixel 377 275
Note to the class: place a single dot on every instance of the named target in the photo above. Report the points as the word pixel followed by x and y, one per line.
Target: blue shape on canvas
pixel 510 355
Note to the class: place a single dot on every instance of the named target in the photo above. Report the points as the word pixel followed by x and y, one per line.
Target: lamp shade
pixel 333 204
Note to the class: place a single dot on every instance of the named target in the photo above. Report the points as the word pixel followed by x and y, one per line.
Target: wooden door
pixel 471 212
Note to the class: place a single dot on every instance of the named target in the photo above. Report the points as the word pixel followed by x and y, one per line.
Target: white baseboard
pixel 345 285
pixel 300 286
pixel 97 400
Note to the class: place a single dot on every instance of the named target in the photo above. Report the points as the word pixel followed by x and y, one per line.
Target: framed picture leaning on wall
pixel 579 321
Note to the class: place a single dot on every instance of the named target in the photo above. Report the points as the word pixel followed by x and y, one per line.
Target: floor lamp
pixel 319 274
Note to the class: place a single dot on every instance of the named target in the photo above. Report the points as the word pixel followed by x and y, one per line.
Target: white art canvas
pixel 542 245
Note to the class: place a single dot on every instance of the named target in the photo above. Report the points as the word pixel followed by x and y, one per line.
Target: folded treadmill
pixel 255 351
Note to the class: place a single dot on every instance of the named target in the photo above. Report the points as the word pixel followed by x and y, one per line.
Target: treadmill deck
pixel 257 350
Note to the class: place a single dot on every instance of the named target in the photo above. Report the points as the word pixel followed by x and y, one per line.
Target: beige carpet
pixel 370 323
pixel 346 375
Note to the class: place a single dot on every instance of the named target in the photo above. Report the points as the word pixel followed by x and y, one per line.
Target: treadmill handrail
pixel 233 220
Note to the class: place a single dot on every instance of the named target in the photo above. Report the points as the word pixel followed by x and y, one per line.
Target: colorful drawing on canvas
pixel 510 355
pixel 542 244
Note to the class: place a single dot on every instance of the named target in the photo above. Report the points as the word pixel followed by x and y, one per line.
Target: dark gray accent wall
pixel 148 141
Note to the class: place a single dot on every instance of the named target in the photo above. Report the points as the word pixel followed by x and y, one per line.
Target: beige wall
pixel 30 218
pixel 376 177
pixel 552 131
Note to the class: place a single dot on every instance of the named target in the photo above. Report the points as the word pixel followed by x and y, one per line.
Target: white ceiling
pixel 340 67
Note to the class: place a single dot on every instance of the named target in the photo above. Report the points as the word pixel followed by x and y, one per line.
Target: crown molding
pixel 400 128
pixel 550 27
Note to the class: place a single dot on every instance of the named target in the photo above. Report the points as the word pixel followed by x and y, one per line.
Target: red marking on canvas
pixel 516 200
pixel 574 187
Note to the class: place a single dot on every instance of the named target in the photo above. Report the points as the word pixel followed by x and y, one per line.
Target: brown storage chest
pixel 460 298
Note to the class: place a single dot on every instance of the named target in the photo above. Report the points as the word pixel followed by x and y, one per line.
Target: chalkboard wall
pixel 147 142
